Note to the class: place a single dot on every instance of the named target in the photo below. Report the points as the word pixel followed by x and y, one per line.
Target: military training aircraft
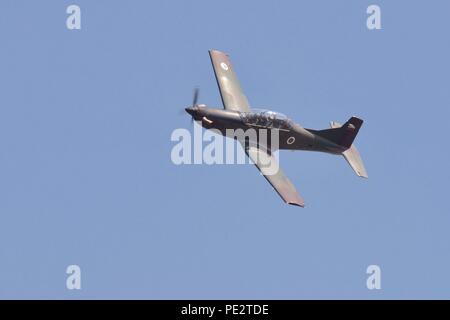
pixel 237 114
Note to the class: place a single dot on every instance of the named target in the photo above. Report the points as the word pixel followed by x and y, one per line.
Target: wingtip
pixel 298 204
pixel 212 51
pixel 362 174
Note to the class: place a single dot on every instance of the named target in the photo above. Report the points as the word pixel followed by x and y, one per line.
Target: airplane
pixel 237 114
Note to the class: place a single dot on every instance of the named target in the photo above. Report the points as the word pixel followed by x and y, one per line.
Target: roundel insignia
pixel 290 140
pixel 224 66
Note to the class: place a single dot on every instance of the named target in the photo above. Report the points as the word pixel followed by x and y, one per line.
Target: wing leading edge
pixel 230 89
pixel 276 177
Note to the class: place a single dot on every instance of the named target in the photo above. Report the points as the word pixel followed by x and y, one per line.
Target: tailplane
pixel 354 160
pixel 348 134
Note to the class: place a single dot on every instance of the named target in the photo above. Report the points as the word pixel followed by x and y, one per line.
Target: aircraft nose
pixel 190 110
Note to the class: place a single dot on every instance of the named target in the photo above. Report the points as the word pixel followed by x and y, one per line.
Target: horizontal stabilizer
pixel 353 157
pixel 354 160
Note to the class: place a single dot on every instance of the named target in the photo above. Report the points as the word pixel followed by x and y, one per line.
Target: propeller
pixel 195 98
pixel 194 103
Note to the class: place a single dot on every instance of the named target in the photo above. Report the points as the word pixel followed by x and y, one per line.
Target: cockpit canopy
pixel 266 118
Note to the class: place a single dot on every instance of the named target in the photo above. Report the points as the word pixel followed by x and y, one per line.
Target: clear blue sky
pixel 86 176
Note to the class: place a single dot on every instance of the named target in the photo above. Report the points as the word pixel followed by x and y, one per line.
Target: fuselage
pixel 291 136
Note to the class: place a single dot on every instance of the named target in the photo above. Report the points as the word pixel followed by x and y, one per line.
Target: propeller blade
pixel 195 99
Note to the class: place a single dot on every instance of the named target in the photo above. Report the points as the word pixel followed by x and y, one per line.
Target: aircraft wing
pixel 276 177
pixel 230 90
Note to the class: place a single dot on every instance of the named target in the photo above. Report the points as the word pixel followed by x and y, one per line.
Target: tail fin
pixel 344 135
pixel 348 135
